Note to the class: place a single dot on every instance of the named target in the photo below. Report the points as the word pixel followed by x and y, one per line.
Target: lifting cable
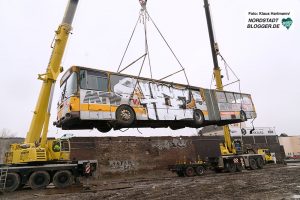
pixel 143 18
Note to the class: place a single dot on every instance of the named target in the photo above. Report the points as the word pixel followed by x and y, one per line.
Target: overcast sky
pixel 267 61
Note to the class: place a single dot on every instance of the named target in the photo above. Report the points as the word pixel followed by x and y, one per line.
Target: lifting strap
pixel 143 18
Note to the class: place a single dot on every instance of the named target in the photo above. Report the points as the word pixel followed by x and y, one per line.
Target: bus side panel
pixel 212 105
pixel 200 103
pixel 94 105
pixel 248 106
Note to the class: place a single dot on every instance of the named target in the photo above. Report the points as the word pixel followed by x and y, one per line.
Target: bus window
pixel 246 99
pixel 69 87
pixel 92 80
pixel 122 84
pixel 238 98
pixel 230 97
pixel 221 97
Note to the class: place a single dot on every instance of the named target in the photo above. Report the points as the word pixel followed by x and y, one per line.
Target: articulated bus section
pixel 104 100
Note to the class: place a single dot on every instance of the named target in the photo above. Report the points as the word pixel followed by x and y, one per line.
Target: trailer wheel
pixel 198 117
pixel 125 115
pixel 199 170
pixel 252 164
pixel 230 167
pixel 62 179
pixel 12 182
pixel 260 163
pixel 39 180
pixel 180 173
pixel 189 171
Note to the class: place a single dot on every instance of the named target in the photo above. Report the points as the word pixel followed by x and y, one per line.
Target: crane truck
pixel 233 157
pixel 39 161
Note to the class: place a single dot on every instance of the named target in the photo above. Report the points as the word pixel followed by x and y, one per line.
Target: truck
pixel 39 161
pixel 233 157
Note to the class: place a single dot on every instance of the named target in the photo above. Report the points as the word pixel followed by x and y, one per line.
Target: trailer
pixel 228 163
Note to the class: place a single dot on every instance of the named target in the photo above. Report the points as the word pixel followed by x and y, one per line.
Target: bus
pixel 92 98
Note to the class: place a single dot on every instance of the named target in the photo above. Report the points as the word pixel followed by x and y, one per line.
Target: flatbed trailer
pixel 39 175
pixel 228 163
pixel 190 169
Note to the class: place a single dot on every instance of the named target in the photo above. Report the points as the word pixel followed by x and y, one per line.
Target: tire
pixel 125 115
pixel 12 182
pixel 39 180
pixel 176 127
pixel 230 167
pixel 252 164
pixel 260 163
pixel 243 116
pixel 239 167
pixel 62 179
pixel 198 117
pixel 189 171
pixel 180 173
pixel 199 170
pixel 104 128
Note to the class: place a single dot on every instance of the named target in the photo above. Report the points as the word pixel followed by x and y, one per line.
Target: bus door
pixel 94 95
pixel 212 105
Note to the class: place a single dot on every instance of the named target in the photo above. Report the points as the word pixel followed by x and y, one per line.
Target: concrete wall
pixel 4 146
pixel 125 156
pixel 119 156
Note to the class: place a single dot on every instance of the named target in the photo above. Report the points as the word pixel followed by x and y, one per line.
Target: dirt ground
pixel 272 182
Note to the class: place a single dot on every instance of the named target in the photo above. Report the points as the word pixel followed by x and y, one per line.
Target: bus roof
pixel 77 68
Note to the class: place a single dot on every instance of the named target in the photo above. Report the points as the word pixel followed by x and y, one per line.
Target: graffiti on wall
pixel 168 144
pixel 123 165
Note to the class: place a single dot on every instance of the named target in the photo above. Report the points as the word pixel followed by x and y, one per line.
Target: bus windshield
pixel 69 87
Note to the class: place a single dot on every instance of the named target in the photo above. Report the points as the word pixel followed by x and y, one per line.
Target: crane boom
pixel 40 119
pixel 36 147
pixel 228 148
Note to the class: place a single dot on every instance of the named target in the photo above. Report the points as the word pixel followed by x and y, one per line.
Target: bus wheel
pixel 243 116
pixel 39 179
pixel 189 171
pixel 62 179
pixel 12 182
pixel 260 163
pixel 199 170
pixel 125 115
pixel 198 117
pixel 104 128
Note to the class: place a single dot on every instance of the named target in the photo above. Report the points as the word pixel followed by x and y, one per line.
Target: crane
pixel 227 147
pixel 38 160
pixel 232 157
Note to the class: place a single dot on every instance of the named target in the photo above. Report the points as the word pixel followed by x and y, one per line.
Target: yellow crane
pixel 232 158
pixel 38 161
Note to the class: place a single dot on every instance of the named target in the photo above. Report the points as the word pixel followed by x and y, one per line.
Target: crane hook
pixel 143 4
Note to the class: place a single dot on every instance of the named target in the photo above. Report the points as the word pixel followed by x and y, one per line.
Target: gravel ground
pixel 272 182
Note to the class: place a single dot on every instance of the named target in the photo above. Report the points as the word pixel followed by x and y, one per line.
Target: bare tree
pixel 6 133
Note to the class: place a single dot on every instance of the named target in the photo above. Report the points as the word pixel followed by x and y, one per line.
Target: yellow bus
pixel 92 98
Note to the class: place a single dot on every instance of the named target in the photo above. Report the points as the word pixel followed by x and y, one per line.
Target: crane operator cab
pixel 59 149
pixel 238 145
